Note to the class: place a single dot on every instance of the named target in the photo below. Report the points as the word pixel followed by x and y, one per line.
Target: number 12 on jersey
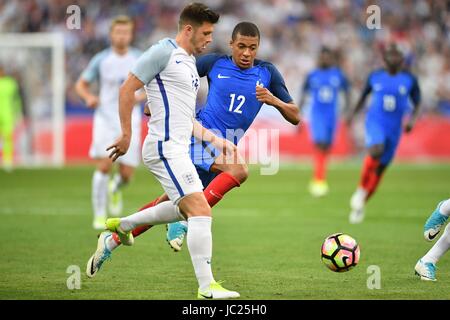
pixel 240 99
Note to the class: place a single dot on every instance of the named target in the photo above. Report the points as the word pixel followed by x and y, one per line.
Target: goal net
pixel 36 61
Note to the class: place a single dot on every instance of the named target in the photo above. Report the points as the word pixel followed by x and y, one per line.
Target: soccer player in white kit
pixel 110 68
pixel 168 72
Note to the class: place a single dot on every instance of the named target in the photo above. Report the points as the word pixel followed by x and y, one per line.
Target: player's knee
pixel 195 205
pixel 376 152
pixel 242 173
pixel 104 166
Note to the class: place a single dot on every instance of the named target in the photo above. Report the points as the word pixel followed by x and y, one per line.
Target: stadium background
pixel 268 233
pixel 292 34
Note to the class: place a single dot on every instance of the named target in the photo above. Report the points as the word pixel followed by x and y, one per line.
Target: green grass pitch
pixel 267 236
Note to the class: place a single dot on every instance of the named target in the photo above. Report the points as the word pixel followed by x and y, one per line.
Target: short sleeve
pixel 206 62
pixel 92 71
pixel 153 61
pixel 415 93
pixel 277 85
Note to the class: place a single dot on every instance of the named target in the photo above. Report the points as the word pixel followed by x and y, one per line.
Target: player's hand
pixel 119 148
pixel 264 95
pixel 228 148
pixel 92 102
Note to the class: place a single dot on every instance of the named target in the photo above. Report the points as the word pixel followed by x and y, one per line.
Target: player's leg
pixel 426 266
pixel 183 186
pixel 372 168
pixel 115 186
pixel 113 242
pixel 127 163
pixel 100 181
pixel 219 175
pixel 318 186
pixel 7 137
pixel 101 139
pixel 199 241
pixel 322 132
pixel 437 220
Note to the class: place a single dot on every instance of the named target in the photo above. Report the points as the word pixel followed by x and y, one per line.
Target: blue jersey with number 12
pixel 231 103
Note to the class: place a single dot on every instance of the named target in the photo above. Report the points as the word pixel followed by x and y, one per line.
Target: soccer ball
pixel 340 252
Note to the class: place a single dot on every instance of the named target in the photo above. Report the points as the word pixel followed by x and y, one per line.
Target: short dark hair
pixel 196 14
pixel 245 29
pixel 326 49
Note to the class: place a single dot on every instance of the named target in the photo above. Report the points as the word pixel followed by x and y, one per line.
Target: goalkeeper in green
pixel 10 106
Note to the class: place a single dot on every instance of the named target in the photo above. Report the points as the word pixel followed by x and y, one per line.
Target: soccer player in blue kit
pixel 391 90
pixel 238 87
pixel 323 84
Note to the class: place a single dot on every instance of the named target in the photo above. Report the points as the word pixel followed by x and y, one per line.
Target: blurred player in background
pixel 238 87
pixel 323 85
pixel 110 68
pixel 10 109
pixel 426 266
pixel 391 89
pixel 168 72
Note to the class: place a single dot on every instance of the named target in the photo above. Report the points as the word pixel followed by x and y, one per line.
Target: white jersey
pixel 171 83
pixel 110 70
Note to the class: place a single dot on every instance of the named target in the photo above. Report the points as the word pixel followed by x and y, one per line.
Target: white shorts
pixel 176 174
pixel 105 133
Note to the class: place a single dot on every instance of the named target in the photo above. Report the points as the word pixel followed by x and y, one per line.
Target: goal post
pixel 28 54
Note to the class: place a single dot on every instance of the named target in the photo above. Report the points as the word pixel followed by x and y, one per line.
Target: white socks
pixel 165 212
pixel 441 247
pixel 445 208
pixel 118 182
pixel 99 193
pixel 199 241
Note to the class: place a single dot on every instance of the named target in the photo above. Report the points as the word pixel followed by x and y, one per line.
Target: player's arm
pixel 415 96
pixel 89 75
pixel 127 100
pixel 361 102
pixel 82 88
pixel 304 92
pixel 278 96
pixel 149 64
pixel 345 86
pixel 201 133
pixel 289 110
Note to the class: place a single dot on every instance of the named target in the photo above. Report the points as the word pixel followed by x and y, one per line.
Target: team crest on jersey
pixel 335 81
pixel 259 83
pixel 188 178
pixel 195 83
pixel 377 87
pixel 402 90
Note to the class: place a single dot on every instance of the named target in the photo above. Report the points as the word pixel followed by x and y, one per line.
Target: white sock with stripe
pixel 162 213
pixel 99 193
pixel 199 241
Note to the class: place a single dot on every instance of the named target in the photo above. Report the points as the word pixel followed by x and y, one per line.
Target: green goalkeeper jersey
pixel 10 103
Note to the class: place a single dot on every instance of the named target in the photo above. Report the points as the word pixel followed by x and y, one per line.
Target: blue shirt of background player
pixel 389 103
pixel 323 86
pixel 231 103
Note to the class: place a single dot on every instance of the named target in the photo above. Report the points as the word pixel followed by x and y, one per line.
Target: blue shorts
pixel 322 129
pixel 203 155
pixel 377 134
